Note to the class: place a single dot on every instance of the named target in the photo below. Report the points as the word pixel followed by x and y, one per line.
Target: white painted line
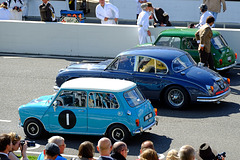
pixel 11 57
pixel 7 121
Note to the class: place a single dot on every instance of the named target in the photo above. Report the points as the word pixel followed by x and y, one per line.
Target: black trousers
pixel 207 59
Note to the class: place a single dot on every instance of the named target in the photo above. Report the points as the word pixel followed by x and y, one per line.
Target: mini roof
pixel 99 84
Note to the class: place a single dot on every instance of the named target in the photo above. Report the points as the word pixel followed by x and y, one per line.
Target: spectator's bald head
pixel 146 145
pixel 104 146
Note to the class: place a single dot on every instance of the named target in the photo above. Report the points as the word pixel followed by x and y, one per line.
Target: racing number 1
pixel 67 119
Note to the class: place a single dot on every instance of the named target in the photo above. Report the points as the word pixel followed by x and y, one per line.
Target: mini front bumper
pixel 147 127
pixel 227 67
pixel 214 98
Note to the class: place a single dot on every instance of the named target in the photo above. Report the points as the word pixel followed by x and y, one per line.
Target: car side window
pixel 169 41
pixel 151 65
pixel 102 100
pixel 189 43
pixel 72 98
pixel 126 63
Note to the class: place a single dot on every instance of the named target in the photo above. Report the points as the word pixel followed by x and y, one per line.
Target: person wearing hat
pixel 58 140
pixel 160 17
pixel 107 12
pixel 205 13
pixel 4 12
pixel 51 151
pixel 143 24
pixel 205 152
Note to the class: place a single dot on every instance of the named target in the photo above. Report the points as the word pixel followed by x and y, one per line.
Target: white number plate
pixel 229 58
pixel 148 116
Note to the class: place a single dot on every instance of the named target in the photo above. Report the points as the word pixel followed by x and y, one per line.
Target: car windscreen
pixel 183 62
pixel 219 42
pixel 134 97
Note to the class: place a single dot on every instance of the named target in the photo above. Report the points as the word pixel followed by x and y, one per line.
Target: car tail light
pixel 220 61
pixel 235 55
pixel 137 122
pixel 155 109
pixel 228 80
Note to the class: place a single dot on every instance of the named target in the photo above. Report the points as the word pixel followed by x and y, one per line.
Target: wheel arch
pixel 109 126
pixel 29 118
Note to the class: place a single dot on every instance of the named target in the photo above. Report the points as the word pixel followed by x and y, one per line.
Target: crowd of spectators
pixel 118 151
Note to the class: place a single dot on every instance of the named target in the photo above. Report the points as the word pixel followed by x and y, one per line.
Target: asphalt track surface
pixel 24 78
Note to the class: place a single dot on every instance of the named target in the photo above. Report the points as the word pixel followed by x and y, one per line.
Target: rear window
pixel 134 97
pixel 219 42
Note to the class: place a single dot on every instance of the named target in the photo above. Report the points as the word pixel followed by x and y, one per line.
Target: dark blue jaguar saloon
pixel 162 73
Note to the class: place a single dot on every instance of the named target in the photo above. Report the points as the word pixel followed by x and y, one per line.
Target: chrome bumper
pixel 214 98
pixel 227 67
pixel 147 127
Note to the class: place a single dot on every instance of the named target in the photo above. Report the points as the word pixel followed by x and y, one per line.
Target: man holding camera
pixel 16 144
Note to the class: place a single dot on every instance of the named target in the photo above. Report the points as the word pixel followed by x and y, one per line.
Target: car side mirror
pixel 55 105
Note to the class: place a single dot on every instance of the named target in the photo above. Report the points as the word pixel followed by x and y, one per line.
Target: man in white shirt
pixel 205 13
pixel 139 9
pixel 107 13
pixel 143 24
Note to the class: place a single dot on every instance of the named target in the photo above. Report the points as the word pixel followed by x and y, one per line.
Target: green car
pixel 223 56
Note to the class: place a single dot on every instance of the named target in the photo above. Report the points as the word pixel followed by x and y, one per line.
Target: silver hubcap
pixel 118 134
pixel 175 97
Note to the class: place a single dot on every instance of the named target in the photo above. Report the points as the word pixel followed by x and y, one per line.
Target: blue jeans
pixel 214 15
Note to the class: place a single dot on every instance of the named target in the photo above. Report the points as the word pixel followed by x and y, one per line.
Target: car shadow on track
pixel 199 110
pixel 161 143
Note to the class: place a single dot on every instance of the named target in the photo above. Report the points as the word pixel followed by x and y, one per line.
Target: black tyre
pixel 118 133
pixel 176 97
pixel 33 128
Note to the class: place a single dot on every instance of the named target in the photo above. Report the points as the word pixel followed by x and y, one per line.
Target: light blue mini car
pixel 90 106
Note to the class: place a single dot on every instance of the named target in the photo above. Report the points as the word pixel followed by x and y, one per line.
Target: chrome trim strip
pixel 214 98
pixel 227 67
